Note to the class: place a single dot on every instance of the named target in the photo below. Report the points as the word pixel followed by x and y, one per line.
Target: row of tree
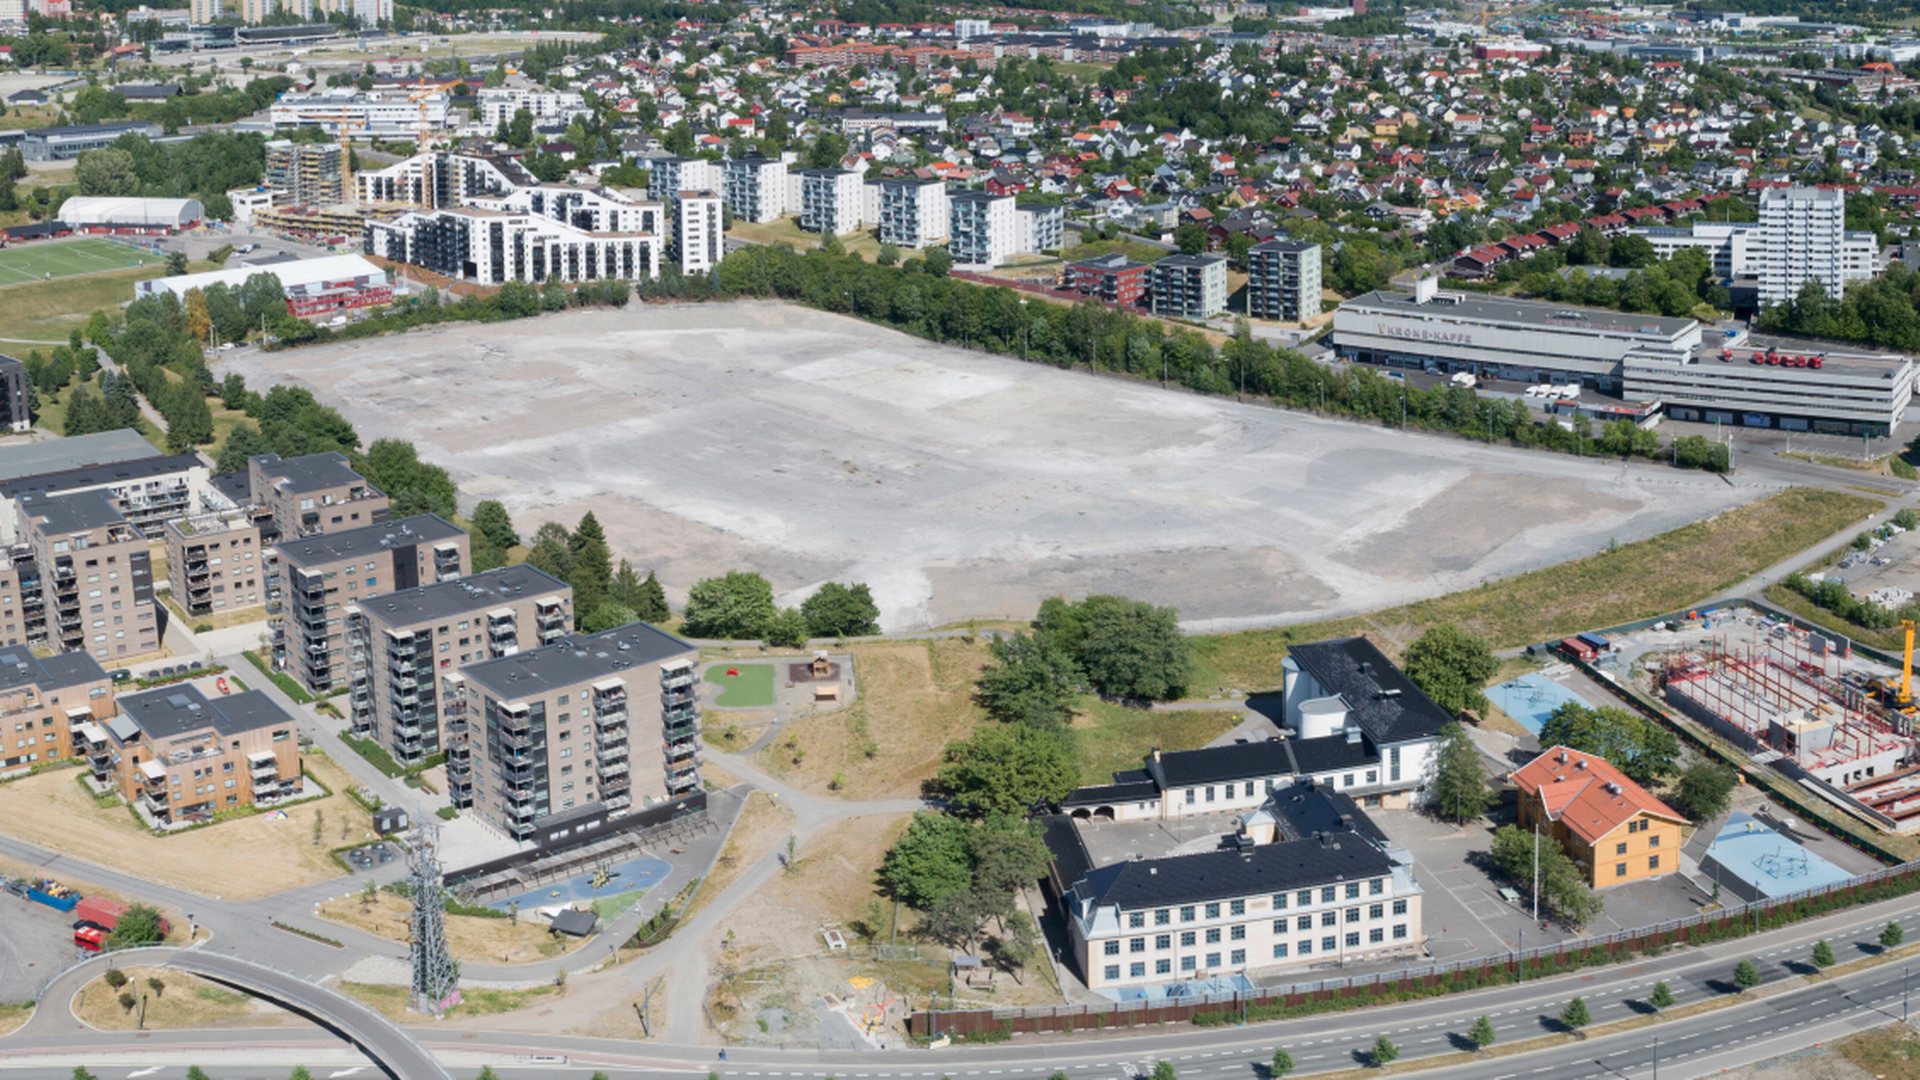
pixel 603 598
pixel 739 605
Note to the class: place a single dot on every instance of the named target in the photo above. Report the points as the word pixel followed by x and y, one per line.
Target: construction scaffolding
pixel 436 978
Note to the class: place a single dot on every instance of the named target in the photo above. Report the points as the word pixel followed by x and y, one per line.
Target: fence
pixel 1548 960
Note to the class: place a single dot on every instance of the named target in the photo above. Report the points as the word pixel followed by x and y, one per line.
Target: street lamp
pixel 1023 328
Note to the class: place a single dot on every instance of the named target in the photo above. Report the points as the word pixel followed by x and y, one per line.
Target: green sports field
pixel 42 259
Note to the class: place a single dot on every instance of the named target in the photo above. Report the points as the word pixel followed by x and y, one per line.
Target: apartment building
pixel 146 491
pixel 311 495
pixel 1283 280
pixel 913 212
pixel 95 576
pixel 1189 286
pixel 668 176
pixel 608 719
pixel 830 201
pixel 400 644
pixel 178 757
pixel 756 188
pixel 498 104
pixel 13 395
pixel 538 234
pixel 981 228
pixel 1309 879
pixel 350 113
pixel 697 231
pixel 1803 236
pixel 320 577
pixel 1039 227
pixel 218 561
pixel 1113 278
pixel 1612 829
pixel 308 173
pixel 442 179
pixel 45 701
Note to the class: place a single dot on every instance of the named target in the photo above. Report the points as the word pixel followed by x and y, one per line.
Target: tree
pixel 1005 770
pixel 1031 681
pixel 932 859
pixel 1575 1015
pixel 1636 746
pixel 1132 649
pixel 1823 954
pixel 551 552
pixel 1191 239
pixel 1662 995
pixel 787 629
pixel 1562 886
pixel 1892 936
pixel 957 919
pixel 195 1072
pixel 140 924
pixel 889 255
pixel 176 263
pixel 737 606
pixel 1452 666
pixel 939 262
pixel 108 172
pixel 838 610
pixel 1383 1052
pixel 1704 790
pixel 80 1071
pixel 244 442
pixel 590 573
pixel 607 616
pixel 647 598
pixel 1281 1065
pixel 1163 1070
pixel 199 323
pixel 1481 1034
pixel 1745 975
pixel 1460 778
pixel 490 520
pixel 1020 944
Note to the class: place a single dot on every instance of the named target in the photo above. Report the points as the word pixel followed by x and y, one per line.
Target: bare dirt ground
pixel 242 859
pixel 812 447
pixel 487 941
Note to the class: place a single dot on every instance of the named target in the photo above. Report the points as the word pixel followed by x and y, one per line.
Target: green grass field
pixel 38 262
pixel 751 689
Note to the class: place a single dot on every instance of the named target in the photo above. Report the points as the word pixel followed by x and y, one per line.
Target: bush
pixel 116 978
pixel 1383 1051
pixel 1892 936
pixel 1575 1015
pixel 127 1001
pixel 1822 954
pixel 1745 975
pixel 1662 995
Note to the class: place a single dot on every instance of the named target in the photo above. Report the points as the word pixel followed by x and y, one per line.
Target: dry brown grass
pixel 914 698
pixel 622 1021
pixel 1888 1053
pixel 242 859
pixel 13 1016
pixel 485 941
pixel 762 824
pixel 392 1001
pixel 185 1002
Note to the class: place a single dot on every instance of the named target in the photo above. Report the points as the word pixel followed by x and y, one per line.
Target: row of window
pixel 1329 894
pixel 1238 957
pixel 1238 932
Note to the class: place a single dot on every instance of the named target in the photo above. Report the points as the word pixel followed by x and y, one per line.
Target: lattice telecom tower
pixel 436 978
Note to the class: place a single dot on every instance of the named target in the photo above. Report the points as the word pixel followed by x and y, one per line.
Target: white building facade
pixel 756 189
pixel 981 228
pixel 830 201
pixel 913 213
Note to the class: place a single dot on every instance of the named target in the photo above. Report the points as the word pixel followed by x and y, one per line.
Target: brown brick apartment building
pixel 319 577
pixel 217 562
pixel 312 495
pixel 43 700
pixel 178 756
pixel 401 645
pixel 607 718
pixel 95 578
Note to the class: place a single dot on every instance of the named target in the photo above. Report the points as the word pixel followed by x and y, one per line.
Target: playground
pixel 1531 699
pixel 742 686
pixel 609 889
pixel 69 258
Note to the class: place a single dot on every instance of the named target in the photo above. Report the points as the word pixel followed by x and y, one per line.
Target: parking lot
pixel 37 944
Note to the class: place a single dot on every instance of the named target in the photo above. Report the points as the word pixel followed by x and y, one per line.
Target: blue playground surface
pixel 621 878
pixel 1757 863
pixel 1531 699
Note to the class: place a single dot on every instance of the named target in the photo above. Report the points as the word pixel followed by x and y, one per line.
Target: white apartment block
pixel 830 201
pixel 668 176
pixel 498 104
pixel 981 228
pixel 971 28
pixel 913 213
pixel 1039 227
pixel 756 189
pixel 1803 232
pixel 441 179
pixel 697 235
pixel 360 115
pixel 1742 249
pixel 533 235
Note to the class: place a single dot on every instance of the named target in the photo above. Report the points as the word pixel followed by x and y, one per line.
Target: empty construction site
pixel 1804 705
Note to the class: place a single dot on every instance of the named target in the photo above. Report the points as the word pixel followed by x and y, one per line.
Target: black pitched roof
pixel 1379 696
pixel 1332 752
pixel 1221 764
pixel 1185 879
pixel 1305 810
pixel 1136 791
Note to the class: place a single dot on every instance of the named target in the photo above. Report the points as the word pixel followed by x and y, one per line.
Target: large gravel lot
pixel 812 447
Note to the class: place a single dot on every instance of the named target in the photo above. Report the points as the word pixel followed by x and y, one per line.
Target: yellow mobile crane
pixel 1905 702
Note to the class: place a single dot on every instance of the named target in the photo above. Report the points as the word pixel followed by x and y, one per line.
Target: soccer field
pixel 38 262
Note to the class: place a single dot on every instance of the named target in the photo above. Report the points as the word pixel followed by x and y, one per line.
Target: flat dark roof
pixel 78 452
pixel 71 513
pixel 462 596
pixel 1379 696
pixel 19 667
pixel 1453 305
pixel 576 659
pixel 169 711
pixel 356 543
pixel 101 475
pixel 309 472
pixel 1290 246
pixel 1190 262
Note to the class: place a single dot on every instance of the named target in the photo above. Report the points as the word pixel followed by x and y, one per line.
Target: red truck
pixel 105 914
pixel 90 938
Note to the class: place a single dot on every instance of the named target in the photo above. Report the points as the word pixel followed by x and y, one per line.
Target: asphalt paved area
pixel 36 942
pixel 813 447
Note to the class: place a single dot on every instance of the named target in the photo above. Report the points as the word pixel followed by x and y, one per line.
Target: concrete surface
pixel 813 447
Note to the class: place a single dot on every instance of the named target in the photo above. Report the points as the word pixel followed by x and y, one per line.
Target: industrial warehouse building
pixel 1755 384
pixel 124 214
pixel 313 286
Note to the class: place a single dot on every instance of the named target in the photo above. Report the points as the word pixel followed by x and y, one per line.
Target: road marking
pixel 346 1072
pixel 144 1072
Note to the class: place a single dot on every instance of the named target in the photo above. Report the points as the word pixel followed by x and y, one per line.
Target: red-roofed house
pixel 1611 828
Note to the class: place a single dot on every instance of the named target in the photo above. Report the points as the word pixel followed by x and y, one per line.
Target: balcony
pixel 676 680
pixel 674 699
pixel 676 784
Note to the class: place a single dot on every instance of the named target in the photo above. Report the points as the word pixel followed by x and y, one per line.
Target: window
pixel 1303 897
pixel 1186 913
pixel 1653 841
pixel 1393 761
pixel 1209 792
pixel 1304 922
pixel 1189 796
pixel 1213 936
pixel 1162 917
pixel 1112 948
pixel 1329 918
pixel 1376 886
pixel 1279 926
pixel 1373 776
pixel 1213 911
pixel 1376 911
pixel 1137 919
pixel 1238 933
pixel 1163 941
pixel 1280 950
pixel 1399 931
pixel 1327 895
pixel 1136 971
pixel 1329 944
pixel 1306 948
pixel 1138 944
pixel 1213 961
pixel 1653 862
pixel 1619 869
pixel 1186 963
pixel 1633 827
pixel 1186 939
pixel 1279 901
pixel 1113 971
pixel 1620 848
pixel 1353 940
pixel 1248 791
pixel 1399 907
pixel 1353 914
pixel 1162 967
pixel 1353 890
pixel 1346 780
pixel 1236 907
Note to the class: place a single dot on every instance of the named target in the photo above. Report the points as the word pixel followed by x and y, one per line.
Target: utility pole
pixel 1656 1056
pixel 1536 869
